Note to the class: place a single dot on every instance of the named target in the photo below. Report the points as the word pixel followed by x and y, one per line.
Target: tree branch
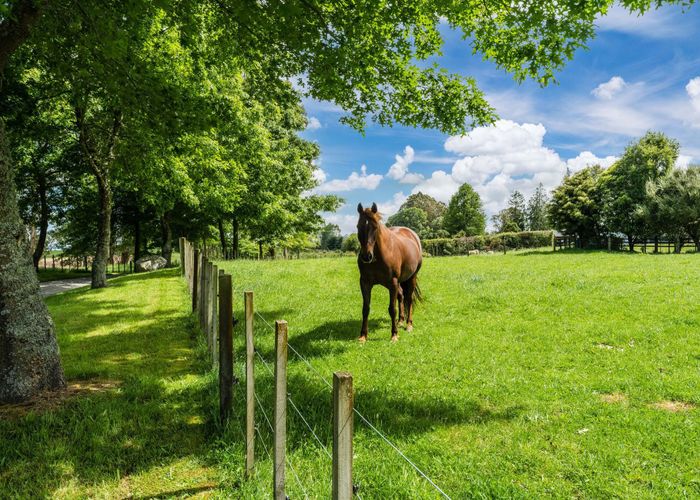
pixel 16 27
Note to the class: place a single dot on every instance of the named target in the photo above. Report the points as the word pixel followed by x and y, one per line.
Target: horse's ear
pixel 359 208
pixel 374 208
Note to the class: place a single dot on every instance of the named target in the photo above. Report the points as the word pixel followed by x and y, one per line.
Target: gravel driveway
pixel 58 286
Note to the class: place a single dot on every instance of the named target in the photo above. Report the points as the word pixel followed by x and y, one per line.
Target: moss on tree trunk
pixel 29 357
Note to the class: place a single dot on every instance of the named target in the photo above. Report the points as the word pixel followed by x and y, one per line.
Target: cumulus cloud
pixel 354 181
pixel 499 159
pixel 610 88
pixel 683 161
pixel 399 170
pixel 390 207
pixel 320 175
pixel 586 159
pixel 313 124
pixel 693 90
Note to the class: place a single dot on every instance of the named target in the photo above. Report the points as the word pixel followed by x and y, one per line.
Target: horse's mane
pixel 375 216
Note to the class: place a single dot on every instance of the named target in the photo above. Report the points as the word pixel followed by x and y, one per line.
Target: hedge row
pixel 490 242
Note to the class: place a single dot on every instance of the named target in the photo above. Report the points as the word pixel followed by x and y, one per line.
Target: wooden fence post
pixel 280 414
pixel 250 385
pixel 195 278
pixel 182 255
pixel 212 332
pixel 200 286
pixel 225 346
pixel 342 435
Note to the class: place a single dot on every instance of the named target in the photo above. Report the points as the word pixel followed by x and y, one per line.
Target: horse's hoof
pixel 362 339
pixel 394 338
pixel 409 328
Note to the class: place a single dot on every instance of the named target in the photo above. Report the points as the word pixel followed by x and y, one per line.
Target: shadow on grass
pixel 158 413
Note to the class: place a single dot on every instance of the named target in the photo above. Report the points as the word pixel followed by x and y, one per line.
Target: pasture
pixel 527 375
pixel 531 374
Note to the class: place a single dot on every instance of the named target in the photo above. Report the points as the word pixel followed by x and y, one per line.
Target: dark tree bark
pixel 630 241
pixel 222 237
pixel 100 162
pixel 137 237
pixel 43 219
pixel 235 238
pixel 260 250
pixel 656 244
pixel 167 236
pixel 30 361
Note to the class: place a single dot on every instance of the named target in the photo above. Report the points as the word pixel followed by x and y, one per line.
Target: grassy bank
pixel 134 421
pixel 528 375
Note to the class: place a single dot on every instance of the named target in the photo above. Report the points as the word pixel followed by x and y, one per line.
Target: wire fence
pixel 357 412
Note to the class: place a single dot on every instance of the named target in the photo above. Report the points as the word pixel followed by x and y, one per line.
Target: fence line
pixel 207 285
pixel 362 417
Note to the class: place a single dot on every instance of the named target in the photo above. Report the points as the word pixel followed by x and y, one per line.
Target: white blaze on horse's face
pixel 367 226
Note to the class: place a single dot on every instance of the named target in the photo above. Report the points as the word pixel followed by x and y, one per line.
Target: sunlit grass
pixel 528 375
pixel 144 432
pixel 504 387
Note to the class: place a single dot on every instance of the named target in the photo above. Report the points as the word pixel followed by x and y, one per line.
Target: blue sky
pixel 639 74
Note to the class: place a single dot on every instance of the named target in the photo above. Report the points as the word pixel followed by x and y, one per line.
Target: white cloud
pixel 499 159
pixel 608 89
pixel 354 181
pixel 390 207
pixel 586 159
pixel 693 90
pixel 683 161
pixel 399 170
pixel 440 186
pixel 320 175
pixel 314 123
pixel 655 23
pixel 400 166
pixel 346 222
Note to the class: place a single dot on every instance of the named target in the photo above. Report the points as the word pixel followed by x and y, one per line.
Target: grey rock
pixel 149 263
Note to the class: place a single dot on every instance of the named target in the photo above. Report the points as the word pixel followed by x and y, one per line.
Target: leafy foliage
pixel 465 213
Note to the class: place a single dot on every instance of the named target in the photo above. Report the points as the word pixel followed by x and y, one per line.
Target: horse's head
pixel 367 227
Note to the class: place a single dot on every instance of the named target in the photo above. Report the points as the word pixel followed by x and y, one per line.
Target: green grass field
pixel 527 375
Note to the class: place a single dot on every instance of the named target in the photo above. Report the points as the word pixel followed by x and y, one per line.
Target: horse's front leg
pixel 393 295
pixel 366 299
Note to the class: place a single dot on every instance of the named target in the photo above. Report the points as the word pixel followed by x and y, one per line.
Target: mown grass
pixel 139 423
pixel 528 375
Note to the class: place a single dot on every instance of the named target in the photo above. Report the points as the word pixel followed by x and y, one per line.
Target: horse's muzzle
pixel 367 258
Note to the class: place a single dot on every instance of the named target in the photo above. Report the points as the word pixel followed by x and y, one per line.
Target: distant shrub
pixel 489 242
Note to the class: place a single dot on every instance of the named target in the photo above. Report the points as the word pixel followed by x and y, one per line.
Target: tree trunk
pixel 222 237
pixel 656 244
pixel 679 245
pixel 260 250
pixel 630 241
pixel 30 361
pixel 104 232
pixel 167 234
pixel 43 220
pixel 137 237
pixel 235 238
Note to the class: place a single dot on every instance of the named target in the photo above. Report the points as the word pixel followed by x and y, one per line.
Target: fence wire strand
pixel 362 417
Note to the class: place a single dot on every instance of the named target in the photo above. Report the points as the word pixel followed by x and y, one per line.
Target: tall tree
pixel 411 217
pixel 465 213
pixel 674 202
pixel 537 210
pixel 624 184
pixel 577 203
pixel 29 357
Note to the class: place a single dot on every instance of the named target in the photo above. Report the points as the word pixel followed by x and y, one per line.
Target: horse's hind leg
pixel 393 295
pixel 400 299
pixel 409 288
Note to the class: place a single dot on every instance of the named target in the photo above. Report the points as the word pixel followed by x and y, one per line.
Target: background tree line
pixel 642 196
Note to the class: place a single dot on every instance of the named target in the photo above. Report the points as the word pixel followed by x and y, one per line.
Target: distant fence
pixel 212 301
pixel 616 243
pixel 66 262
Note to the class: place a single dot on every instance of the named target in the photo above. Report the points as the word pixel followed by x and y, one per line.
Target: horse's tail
pixel 417 295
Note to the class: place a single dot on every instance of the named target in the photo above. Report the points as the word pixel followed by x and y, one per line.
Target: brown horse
pixel 391 257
